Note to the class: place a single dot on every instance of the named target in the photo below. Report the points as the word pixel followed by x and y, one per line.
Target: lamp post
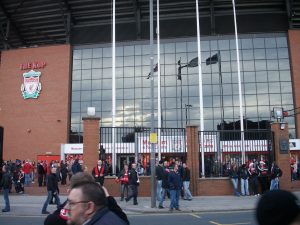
pixel 187 107
pixel 192 63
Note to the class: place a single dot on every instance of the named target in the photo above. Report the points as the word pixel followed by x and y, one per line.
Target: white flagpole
pixel 114 87
pixel 200 90
pixel 158 80
pixel 240 85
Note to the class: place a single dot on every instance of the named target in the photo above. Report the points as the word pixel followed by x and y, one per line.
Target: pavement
pixel 31 205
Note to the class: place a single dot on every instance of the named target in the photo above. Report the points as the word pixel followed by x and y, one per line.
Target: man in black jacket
pixel 52 188
pixel 41 173
pixel 159 189
pixel 60 216
pixel 186 178
pixel 276 172
pixel 87 205
pixel 6 182
pixel 133 183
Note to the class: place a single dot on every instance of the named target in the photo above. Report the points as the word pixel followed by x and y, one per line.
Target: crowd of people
pixel 173 180
pixel 253 174
pixel 89 202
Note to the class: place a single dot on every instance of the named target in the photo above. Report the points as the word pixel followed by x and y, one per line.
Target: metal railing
pixel 132 144
pixel 223 148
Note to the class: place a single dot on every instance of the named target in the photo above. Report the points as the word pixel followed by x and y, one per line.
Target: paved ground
pixel 31 202
pixel 29 205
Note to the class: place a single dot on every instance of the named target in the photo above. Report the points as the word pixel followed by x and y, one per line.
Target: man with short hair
pixel 133 183
pixel 99 172
pixel 159 178
pixel 52 188
pixel 186 178
pixel 175 185
pixel 275 174
pixel 6 183
pixel 60 216
pixel 76 167
pixel 27 167
pixel 87 205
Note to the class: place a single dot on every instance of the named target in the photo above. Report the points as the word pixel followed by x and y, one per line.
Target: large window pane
pixel 265 77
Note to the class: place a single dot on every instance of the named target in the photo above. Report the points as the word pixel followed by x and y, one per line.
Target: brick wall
pixel 35 126
pixel 214 186
pixel 282 160
pixel 193 156
pixel 206 187
pixel 91 141
pixel 114 188
pixel 294 50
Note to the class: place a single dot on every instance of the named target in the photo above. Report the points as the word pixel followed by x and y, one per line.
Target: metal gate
pixel 133 144
pixel 223 148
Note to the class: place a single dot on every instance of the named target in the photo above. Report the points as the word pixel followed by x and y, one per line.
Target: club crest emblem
pixel 31 87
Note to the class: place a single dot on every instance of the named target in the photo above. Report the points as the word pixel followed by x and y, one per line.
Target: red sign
pixel 32 65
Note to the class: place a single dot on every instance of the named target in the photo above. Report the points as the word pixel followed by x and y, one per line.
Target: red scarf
pixel 124 179
pixel 101 171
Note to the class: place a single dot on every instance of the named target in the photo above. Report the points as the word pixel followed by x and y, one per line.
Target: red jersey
pixel 27 167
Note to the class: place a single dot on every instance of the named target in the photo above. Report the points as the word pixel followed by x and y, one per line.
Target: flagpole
pixel 152 154
pixel 114 88
pixel 158 80
pixel 240 85
pixel 200 91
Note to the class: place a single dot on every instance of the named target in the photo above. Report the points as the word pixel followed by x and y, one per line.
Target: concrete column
pixel 281 156
pixel 193 156
pixel 91 140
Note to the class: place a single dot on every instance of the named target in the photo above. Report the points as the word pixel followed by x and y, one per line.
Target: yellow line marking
pixel 215 223
pixel 194 215
pixel 225 212
pixel 229 223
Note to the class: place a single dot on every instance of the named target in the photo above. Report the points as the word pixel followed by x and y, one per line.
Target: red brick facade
pixel 35 126
pixel 282 159
pixel 91 140
pixel 193 156
pixel 294 50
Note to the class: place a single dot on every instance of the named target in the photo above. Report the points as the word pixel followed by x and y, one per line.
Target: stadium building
pixel 56 61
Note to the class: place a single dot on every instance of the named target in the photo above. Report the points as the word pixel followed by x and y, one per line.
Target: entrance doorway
pixel 125 159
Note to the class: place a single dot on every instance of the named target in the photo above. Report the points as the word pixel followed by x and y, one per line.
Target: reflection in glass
pixel 265 70
pixel 76 75
pixel 76 64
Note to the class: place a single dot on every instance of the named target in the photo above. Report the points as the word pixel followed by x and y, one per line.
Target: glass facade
pixel 265 73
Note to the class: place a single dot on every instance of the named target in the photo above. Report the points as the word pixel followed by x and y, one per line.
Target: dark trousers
pixel 123 187
pixel 264 184
pixel 133 193
pixel 40 180
pixel 254 185
pixel 6 199
pixel 64 179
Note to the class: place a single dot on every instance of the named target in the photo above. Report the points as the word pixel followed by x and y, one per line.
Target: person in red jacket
pixel 124 179
pixel 27 167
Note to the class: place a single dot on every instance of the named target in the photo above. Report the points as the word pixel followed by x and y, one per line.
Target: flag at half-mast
pixel 192 63
pixel 213 59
